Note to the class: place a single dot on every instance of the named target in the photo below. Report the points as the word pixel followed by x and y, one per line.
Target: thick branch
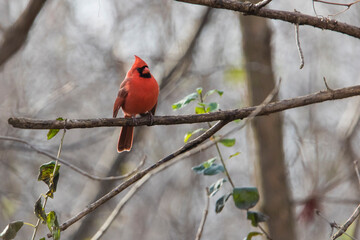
pixel 292 17
pixel 186 119
pixel 16 35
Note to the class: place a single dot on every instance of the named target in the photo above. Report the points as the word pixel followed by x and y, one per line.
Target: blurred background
pixel 71 65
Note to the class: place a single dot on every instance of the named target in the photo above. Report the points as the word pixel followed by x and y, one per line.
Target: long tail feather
pixel 125 139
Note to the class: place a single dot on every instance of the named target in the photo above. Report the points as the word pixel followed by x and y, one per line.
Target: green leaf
pixel 52 132
pixel 233 155
pixel 212 107
pixel 214 169
pixel 237 121
pixel 42 238
pixel 199 110
pixel 45 173
pixel 200 168
pixel 39 210
pixel 220 203
pixel 252 234
pixel 199 90
pixel 209 167
pixel 212 92
pixel 245 198
pixel 186 100
pixel 53 225
pixel 256 217
pixel 228 142
pixel 214 188
pixel 189 134
pixel 11 230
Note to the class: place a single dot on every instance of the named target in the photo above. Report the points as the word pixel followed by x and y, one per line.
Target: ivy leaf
pixel 39 210
pixel 11 230
pixel 214 188
pixel 233 155
pixel 245 198
pixel 45 173
pixel 209 167
pixel 214 169
pixel 199 110
pixel 52 132
pixel 252 234
pixel 228 142
pixel 256 217
pixel 53 225
pixel 212 92
pixel 220 203
pixel 189 134
pixel 212 107
pixel 186 100
pixel 200 168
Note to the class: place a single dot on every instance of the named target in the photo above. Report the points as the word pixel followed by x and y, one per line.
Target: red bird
pixel 138 94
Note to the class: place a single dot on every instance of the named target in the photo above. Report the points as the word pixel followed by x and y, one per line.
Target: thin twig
pixel 73 167
pixel 357 171
pixel 348 5
pixel 228 115
pixel 263 230
pixel 301 55
pixel 262 4
pixel 204 216
pixel 51 182
pixel 332 224
pixel 346 225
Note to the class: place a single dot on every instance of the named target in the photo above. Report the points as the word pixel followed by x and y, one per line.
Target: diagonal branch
pixel 228 115
pixel 190 145
pixel 291 17
pixel 16 35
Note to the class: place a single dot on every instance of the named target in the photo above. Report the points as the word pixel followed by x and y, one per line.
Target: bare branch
pixel 347 224
pixel 16 35
pixel 204 216
pixel 291 17
pixel 73 167
pixel 301 55
pixel 228 115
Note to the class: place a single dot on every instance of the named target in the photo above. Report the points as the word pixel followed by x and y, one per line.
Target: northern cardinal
pixel 138 94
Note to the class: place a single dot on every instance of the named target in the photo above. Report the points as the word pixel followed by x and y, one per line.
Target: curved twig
pixel 73 167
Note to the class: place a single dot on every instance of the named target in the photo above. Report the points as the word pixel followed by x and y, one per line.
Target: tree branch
pixel 228 115
pixel 16 35
pixel 190 145
pixel 291 17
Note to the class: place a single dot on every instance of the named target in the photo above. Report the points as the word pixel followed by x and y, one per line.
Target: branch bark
pixel 291 17
pixel 228 115
pixel 16 35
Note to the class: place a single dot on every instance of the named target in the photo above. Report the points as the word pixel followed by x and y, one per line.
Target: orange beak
pixel 146 70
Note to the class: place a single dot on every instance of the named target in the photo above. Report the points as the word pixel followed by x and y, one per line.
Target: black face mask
pixel 144 75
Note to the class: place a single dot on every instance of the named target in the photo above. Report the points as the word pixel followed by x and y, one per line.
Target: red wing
pixel 120 99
